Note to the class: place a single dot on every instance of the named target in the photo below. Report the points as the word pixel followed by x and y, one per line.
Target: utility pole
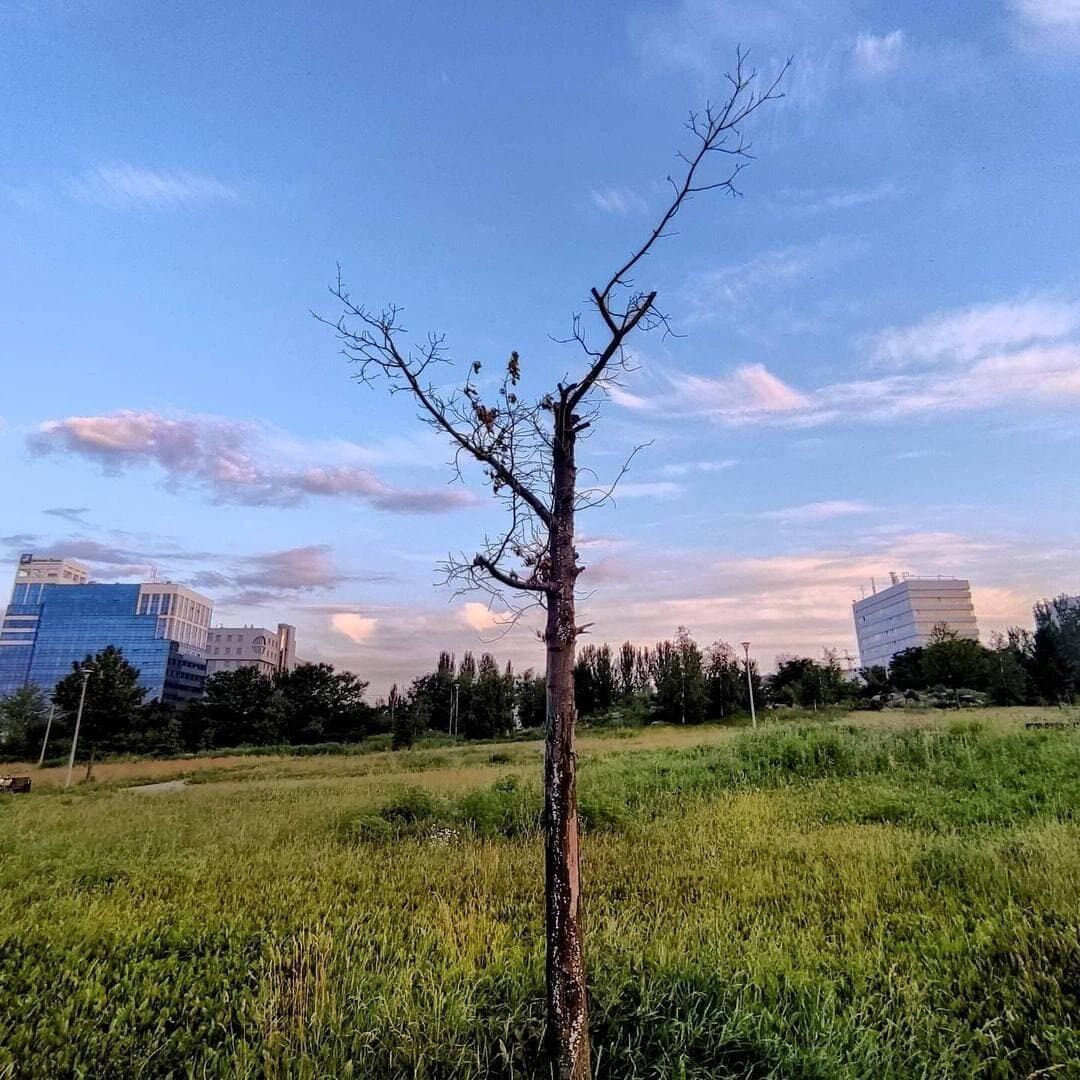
pixel 48 729
pixel 86 673
pixel 750 684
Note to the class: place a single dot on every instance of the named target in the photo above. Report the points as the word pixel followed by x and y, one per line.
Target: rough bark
pixel 568 1013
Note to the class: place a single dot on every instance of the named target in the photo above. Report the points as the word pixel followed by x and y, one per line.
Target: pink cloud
pixel 227 458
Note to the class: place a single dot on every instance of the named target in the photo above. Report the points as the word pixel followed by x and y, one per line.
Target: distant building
pixel 904 615
pixel 52 622
pixel 232 647
pixel 50 571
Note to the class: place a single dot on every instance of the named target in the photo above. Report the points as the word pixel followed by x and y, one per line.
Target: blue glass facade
pixel 48 627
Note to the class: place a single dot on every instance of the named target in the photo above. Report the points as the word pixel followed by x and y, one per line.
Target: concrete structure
pixel 160 628
pixel 904 615
pixel 56 571
pixel 232 647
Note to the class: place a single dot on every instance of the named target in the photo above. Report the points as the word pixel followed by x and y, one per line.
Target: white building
pixel 34 569
pixel 904 615
pixel 232 647
pixel 183 614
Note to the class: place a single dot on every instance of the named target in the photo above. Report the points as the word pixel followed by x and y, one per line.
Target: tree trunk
pixel 90 766
pixel 568 1012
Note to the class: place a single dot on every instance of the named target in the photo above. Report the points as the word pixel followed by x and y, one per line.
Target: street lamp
pixel 749 683
pixel 48 729
pixel 86 673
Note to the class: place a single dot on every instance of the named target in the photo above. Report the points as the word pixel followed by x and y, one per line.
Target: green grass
pixel 813 901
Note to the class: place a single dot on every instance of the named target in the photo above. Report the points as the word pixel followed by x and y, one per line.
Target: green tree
pixel 531 698
pixel 953 661
pixel 628 670
pixel 411 718
pixel 1055 661
pixel 321 704
pixel 1008 680
pixel 693 694
pixel 241 707
pixel 906 670
pixel 113 702
pixel 491 711
pixel 724 681
pixel 23 716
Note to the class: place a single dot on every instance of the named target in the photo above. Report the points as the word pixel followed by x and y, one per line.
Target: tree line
pixel 674 681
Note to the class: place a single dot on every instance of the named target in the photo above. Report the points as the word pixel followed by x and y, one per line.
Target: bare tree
pixel 527 451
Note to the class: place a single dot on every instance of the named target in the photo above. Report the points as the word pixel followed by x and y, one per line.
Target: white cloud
pixel 480 617
pixel 876 55
pixel 357 628
pixel 818 511
pixel 614 200
pixel 685 468
pixel 750 393
pixel 815 201
pixel 127 187
pixel 1053 25
pixel 1021 352
pixel 972 332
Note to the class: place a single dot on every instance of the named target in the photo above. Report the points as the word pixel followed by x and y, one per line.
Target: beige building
pixel 35 570
pixel 183 615
pixel 232 647
pixel 904 615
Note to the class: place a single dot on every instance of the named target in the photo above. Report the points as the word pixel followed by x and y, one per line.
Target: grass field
pixel 878 896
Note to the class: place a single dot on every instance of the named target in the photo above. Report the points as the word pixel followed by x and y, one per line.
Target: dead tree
pixel 527 452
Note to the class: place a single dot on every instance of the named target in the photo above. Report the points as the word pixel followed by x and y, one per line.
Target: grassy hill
pixel 877 896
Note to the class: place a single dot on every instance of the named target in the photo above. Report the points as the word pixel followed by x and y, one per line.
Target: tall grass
pixel 806 903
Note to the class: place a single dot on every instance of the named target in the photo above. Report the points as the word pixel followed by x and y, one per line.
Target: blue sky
pixel 879 360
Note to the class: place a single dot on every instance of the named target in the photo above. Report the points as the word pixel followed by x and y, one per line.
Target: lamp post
pixel 48 729
pixel 749 684
pixel 86 673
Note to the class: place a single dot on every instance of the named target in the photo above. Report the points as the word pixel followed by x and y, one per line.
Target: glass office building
pixel 159 627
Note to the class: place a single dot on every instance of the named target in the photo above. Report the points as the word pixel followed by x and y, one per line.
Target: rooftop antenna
pixel 893 577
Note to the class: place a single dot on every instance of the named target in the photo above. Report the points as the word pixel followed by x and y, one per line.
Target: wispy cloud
pixel 818 511
pixel 969 333
pixel 75 514
pixel 228 459
pixel 618 200
pixel 875 55
pixel 1053 25
pixel 808 201
pixel 686 468
pixel 727 290
pixel 124 187
pixel 751 393
pixel 976 358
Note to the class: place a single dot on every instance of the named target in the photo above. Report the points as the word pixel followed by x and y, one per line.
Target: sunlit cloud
pixel 357 628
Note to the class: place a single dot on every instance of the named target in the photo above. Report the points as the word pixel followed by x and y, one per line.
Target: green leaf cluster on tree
pixel 112 708
pixel 23 718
